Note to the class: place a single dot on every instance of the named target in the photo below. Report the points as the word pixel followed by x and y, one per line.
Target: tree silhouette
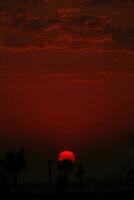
pixel 14 163
pixel 65 166
pixel 128 171
pixel 80 175
pixel 3 178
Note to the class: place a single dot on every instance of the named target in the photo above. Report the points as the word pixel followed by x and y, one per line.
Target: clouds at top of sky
pixel 90 37
pixel 60 25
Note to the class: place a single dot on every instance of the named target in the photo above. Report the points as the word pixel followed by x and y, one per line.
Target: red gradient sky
pixel 66 74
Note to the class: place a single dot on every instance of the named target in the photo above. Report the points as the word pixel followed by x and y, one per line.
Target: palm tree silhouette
pixel 80 174
pixel 128 171
pixel 3 177
pixel 14 164
pixel 66 166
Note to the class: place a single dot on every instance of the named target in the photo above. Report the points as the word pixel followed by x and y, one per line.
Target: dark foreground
pixel 114 189
pixel 42 195
pixel 79 195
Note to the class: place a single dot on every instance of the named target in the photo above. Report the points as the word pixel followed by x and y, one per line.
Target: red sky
pixel 66 73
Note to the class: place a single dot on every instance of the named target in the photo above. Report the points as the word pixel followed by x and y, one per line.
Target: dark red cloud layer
pixel 73 25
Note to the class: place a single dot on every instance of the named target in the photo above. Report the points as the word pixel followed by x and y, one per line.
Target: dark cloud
pixel 99 2
pixel 124 37
pixel 67 27
pixel 89 2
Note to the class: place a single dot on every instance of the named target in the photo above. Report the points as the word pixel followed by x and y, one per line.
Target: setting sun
pixel 67 155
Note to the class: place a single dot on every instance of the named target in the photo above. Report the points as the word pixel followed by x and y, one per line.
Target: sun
pixel 67 155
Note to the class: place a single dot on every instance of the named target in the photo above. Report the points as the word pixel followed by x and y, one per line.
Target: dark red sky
pixel 67 74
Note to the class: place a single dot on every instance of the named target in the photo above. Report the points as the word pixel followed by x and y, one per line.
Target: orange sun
pixel 67 155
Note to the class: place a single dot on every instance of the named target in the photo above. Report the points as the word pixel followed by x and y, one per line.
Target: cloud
pixel 77 78
pixel 84 78
pixel 67 27
pixel 106 2
pixel 100 76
